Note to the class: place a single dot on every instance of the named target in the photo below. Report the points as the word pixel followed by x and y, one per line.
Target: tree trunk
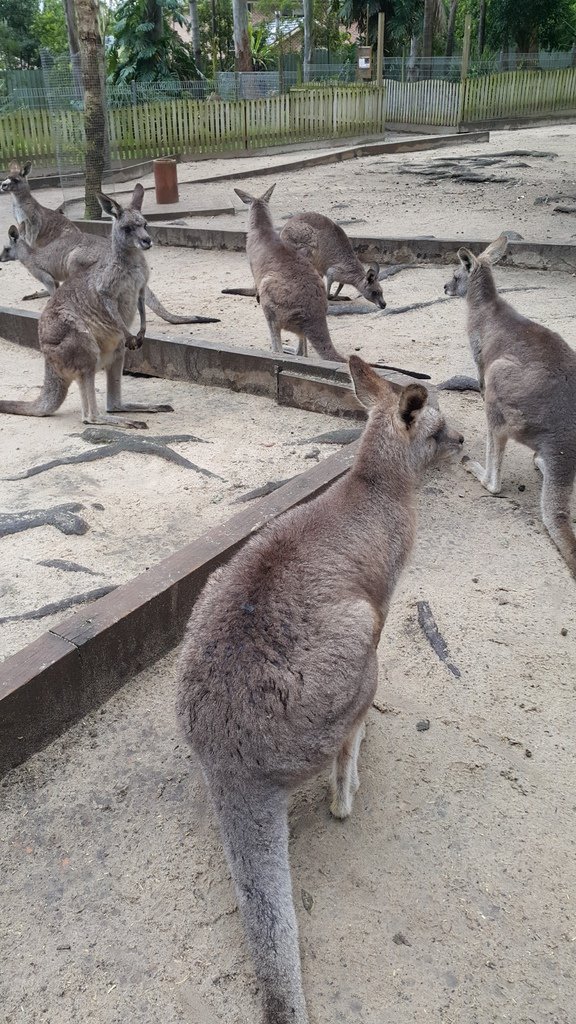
pixel 90 43
pixel 195 33
pixel 481 27
pixel 413 57
pixel 451 28
pixel 428 38
pixel 241 40
pixel 308 36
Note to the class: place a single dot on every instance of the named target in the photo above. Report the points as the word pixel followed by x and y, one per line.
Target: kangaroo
pixel 85 324
pixel 333 256
pixel 288 287
pixel 61 248
pixel 279 669
pixel 527 376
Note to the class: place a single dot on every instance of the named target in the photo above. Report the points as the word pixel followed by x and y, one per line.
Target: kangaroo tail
pixel 322 342
pixel 156 306
pixel 51 397
pixel 254 826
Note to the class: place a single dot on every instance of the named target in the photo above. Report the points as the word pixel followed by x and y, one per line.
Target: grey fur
pixel 59 248
pixel 527 376
pixel 85 325
pixel 289 289
pixel 278 669
pixel 331 252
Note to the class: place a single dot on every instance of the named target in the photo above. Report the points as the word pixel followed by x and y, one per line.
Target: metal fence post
pixel 464 68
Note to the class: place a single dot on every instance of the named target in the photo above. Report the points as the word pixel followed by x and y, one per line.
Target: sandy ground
pixel 137 508
pixel 448 896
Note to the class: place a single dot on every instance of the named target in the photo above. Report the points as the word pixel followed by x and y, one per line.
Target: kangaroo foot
pixel 481 474
pixel 136 407
pixel 103 418
pixel 35 295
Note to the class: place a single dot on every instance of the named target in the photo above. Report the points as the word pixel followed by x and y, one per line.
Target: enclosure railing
pixel 143 127
pixel 182 125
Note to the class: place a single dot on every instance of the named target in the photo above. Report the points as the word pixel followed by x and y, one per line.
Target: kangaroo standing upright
pixel 528 379
pixel 278 669
pixel 332 254
pixel 60 248
pixel 86 324
pixel 290 290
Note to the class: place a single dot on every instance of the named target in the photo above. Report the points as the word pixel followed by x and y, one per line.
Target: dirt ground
pixel 447 897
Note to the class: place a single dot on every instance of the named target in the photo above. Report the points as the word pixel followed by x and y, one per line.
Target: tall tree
pixel 308 6
pixel 242 51
pixel 532 24
pixel 450 31
pixel 195 32
pixel 90 43
pixel 18 47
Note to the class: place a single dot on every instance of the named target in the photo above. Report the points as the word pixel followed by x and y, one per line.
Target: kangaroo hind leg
pixel 114 401
pixel 555 504
pixel 90 411
pixel 344 780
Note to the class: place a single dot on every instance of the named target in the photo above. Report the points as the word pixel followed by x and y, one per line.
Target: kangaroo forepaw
pixel 341 808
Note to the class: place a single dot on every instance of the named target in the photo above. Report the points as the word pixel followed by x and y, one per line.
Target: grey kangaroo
pixel 527 376
pixel 60 247
pixel 333 256
pixel 86 323
pixel 279 667
pixel 289 289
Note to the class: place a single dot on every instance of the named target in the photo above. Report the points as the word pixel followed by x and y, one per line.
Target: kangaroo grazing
pixel 61 248
pixel 333 256
pixel 289 289
pixel 85 324
pixel 527 376
pixel 278 669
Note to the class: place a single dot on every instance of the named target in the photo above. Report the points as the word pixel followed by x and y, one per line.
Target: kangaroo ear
pixel 370 389
pixel 496 250
pixel 266 197
pixel 372 273
pixel 13 233
pixel 412 399
pixel 467 259
pixel 109 205
pixel 137 197
pixel 26 169
pixel 244 196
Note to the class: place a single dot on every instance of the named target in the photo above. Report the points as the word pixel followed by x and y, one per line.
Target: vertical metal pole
pixel 380 49
pixel 464 68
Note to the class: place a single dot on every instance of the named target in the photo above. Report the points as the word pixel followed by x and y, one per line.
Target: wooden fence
pixel 199 126
pixel 430 102
pixel 208 127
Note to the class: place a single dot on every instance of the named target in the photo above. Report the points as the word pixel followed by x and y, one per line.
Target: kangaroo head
pixel 408 425
pixel 371 288
pixel 129 225
pixel 16 181
pixel 470 264
pixel 9 251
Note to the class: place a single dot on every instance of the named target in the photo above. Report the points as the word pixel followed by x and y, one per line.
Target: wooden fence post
pixel 464 68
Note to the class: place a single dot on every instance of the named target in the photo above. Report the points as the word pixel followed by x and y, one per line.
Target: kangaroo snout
pixel 145 243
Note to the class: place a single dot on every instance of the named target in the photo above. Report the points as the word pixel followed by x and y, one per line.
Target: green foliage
pixel 49 27
pixel 264 56
pixel 146 47
pixel 18 45
pixel 531 24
